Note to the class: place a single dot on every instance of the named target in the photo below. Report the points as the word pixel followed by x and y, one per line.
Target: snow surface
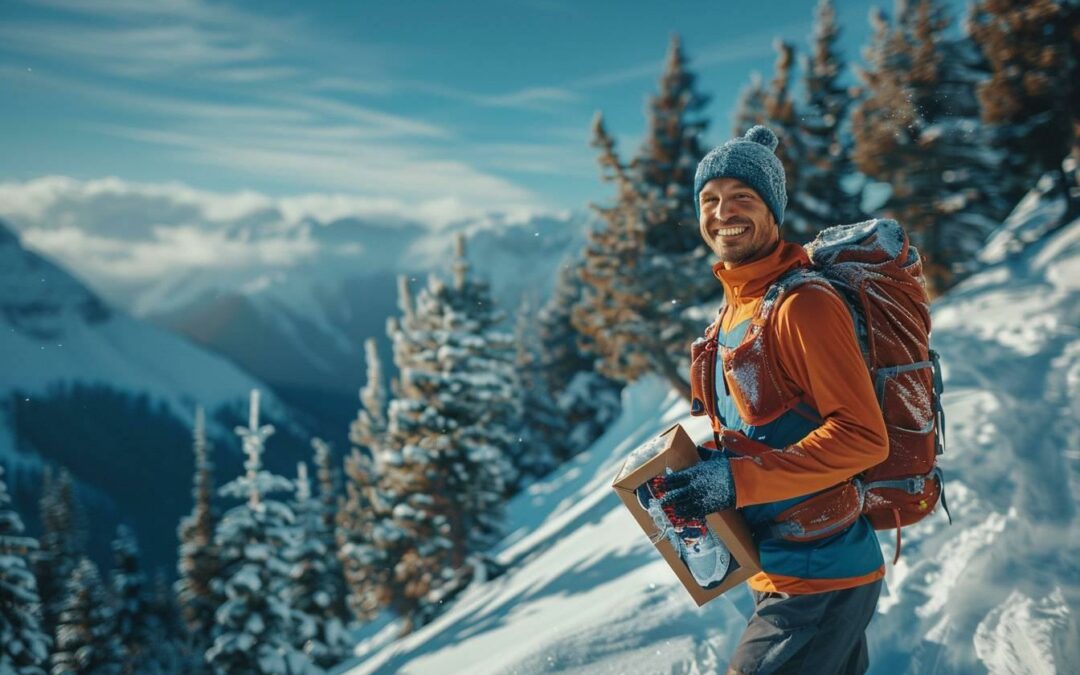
pixel 998 591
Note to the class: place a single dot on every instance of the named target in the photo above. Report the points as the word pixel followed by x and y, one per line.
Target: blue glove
pixel 704 488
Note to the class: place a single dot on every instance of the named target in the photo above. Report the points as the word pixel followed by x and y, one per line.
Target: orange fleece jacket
pixel 819 354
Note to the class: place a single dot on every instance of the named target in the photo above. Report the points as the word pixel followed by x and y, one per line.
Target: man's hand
pixel 704 488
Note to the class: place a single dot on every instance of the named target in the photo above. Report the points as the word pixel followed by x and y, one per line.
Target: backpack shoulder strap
pixel 790 280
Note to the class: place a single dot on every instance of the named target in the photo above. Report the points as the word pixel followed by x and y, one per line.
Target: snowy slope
pixel 998 591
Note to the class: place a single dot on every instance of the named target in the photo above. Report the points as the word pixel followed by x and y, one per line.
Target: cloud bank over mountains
pixel 119 234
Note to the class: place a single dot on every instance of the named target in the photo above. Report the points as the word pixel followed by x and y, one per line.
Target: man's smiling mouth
pixel 730 231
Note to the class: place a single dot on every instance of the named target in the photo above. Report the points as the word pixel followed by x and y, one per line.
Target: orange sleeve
pixel 818 352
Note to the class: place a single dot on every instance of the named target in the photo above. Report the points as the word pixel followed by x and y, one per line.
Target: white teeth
pixel 729 231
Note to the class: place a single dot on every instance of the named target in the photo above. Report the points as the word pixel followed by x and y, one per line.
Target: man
pixel 814 598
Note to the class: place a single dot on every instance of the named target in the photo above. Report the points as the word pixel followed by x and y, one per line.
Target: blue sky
pixel 486 102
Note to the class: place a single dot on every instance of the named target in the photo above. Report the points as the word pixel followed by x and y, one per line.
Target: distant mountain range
pixel 289 298
pixel 86 386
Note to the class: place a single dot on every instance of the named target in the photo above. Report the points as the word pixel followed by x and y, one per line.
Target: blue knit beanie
pixel 751 160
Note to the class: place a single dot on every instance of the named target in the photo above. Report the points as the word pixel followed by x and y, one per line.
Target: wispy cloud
pixel 538 98
pixel 303 131
pixel 729 50
pixel 268 97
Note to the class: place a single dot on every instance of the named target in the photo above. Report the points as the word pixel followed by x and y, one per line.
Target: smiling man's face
pixel 735 222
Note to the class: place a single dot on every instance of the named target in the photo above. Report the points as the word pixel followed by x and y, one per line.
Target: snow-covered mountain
pixel 997 591
pixel 112 398
pixel 303 326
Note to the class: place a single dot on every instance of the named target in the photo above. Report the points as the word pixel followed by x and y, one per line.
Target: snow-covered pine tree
pixel 541 442
pixel 918 130
pixel 365 561
pixel 366 545
pixel 820 198
pixel 409 521
pixel 254 625
pixel 313 589
pixel 566 366
pixel 444 468
pixel 128 584
pixel 86 640
pixel 197 563
pixel 171 652
pixel 466 380
pixel 61 544
pixel 370 423
pixel 750 106
pixel 328 482
pixel 1031 101
pixel 25 645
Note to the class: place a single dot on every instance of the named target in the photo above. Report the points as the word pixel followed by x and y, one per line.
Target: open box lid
pixel 650 458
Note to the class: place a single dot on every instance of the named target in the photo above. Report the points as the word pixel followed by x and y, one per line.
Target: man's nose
pixel 724 208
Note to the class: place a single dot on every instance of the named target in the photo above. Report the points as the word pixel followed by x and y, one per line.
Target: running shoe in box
pixel 708 556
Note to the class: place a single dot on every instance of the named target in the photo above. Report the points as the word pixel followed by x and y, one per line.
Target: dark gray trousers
pixel 821 633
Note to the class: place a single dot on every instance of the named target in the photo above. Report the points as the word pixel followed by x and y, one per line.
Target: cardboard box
pixel 674 449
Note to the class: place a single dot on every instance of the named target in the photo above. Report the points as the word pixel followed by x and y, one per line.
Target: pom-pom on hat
pixel 752 160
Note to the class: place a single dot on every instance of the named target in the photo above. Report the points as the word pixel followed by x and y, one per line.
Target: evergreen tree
pixel 366 547
pixel 1031 101
pixel 750 106
pixel 664 169
pixel 254 625
pixel 642 265
pixel 366 558
pixel 370 422
pixel 198 563
pixel 313 592
pixel 541 443
pixel 62 537
pixel 25 646
pixel 171 652
pixel 128 592
pixel 626 308
pixel 462 399
pixel 328 481
pixel 565 362
pixel 560 355
pixel 86 639
pixel 820 198
pixel 444 467
pixel 780 116
pixel 918 130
